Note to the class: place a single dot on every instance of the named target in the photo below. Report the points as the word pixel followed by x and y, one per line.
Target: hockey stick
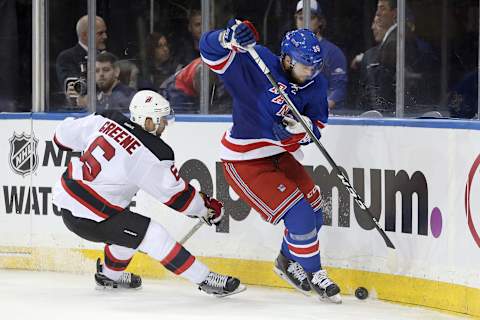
pixel 190 233
pixel 253 53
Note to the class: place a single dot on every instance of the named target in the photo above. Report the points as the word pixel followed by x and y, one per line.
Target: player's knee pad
pixel 157 242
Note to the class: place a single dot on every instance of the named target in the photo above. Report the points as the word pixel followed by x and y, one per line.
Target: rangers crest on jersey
pixel 23 157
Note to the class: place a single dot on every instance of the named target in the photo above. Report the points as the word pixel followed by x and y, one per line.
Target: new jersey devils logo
pixel 468 210
pixel 23 153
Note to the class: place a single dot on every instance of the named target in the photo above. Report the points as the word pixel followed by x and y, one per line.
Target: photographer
pixel 111 93
pixel 71 64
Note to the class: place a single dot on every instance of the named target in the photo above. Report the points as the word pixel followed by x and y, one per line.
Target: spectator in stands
pixel 378 33
pixel 463 100
pixel 128 73
pixel 159 63
pixel 183 91
pixel 111 93
pixel 188 50
pixel 420 63
pixel 335 63
pixel 377 87
pixel 72 62
pixel 367 63
pixel 183 88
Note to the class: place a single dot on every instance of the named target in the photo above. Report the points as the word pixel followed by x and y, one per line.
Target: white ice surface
pixel 44 295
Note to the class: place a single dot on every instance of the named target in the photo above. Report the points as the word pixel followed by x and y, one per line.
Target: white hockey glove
pixel 295 127
pixel 239 36
pixel 290 131
pixel 214 210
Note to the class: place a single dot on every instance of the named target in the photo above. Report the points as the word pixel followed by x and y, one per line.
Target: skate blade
pixel 337 298
pixel 240 288
pixel 285 278
pixel 111 288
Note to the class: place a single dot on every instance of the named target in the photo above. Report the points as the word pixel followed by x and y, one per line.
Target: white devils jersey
pixel 118 158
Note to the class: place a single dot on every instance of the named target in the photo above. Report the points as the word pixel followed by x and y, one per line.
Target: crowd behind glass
pixel 137 52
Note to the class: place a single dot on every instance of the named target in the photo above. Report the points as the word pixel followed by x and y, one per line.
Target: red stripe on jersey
pixel 292 147
pixel 244 147
pixel 173 253
pixel 255 145
pixel 83 202
pixel 185 266
pixel 312 249
pixel 320 124
pixel 222 64
pixel 112 258
pixel 69 170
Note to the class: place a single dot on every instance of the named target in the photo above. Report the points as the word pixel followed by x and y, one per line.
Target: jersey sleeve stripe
pixel 221 65
pixel 181 200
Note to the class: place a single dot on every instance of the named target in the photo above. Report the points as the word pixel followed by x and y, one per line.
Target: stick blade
pixel 387 240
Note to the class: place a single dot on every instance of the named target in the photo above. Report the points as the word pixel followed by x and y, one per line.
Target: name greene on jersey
pixel 124 138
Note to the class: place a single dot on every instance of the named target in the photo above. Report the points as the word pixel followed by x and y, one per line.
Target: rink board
pixel 422 181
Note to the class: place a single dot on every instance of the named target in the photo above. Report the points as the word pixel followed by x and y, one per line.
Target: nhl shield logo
pixel 23 153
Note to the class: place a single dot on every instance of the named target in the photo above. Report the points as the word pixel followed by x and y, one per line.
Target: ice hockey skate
pixel 326 288
pixel 127 280
pixel 220 285
pixel 293 273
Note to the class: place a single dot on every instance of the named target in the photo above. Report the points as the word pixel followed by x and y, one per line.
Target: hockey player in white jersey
pixel 120 156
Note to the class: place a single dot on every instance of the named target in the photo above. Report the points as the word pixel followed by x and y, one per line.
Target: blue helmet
pixel 302 46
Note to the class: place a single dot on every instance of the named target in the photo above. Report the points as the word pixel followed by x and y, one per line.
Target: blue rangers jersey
pixel 335 70
pixel 256 103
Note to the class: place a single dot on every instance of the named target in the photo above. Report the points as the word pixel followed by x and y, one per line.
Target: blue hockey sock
pixel 319 219
pixel 300 242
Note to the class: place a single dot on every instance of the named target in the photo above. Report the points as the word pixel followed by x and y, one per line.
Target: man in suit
pixel 72 62
pixel 420 65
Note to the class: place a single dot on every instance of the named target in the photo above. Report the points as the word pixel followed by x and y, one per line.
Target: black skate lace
pixel 216 280
pixel 296 270
pixel 125 278
pixel 321 279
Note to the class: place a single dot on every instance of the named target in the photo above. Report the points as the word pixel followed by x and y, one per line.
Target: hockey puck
pixel 361 293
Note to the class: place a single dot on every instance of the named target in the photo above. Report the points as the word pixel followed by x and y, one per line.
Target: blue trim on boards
pixel 348 121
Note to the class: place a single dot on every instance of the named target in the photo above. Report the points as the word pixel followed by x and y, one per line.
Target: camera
pixel 79 83
pixel 80 86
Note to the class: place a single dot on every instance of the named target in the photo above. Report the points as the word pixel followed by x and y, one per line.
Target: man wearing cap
pixel 335 63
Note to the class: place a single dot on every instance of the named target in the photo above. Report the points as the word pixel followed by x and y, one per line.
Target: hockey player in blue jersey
pixel 260 151
pixel 334 61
